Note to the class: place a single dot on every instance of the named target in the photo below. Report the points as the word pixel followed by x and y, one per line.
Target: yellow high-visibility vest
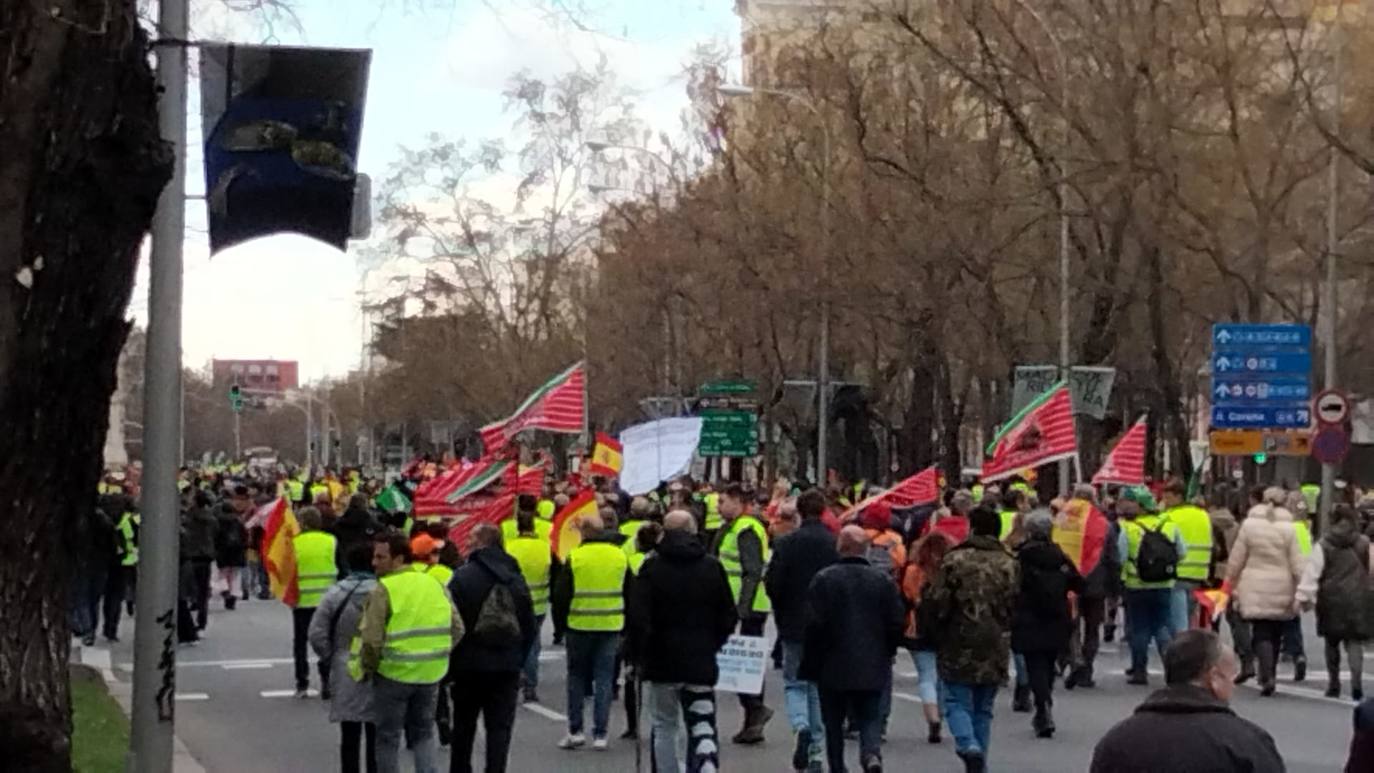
pixel 438 571
pixel 532 554
pixel 713 519
pixel 598 571
pixel 126 535
pixel 1008 522
pixel 546 509
pixel 1304 535
pixel 1195 526
pixel 1135 531
pixel 510 529
pixel 315 567
pixel 419 632
pixel 734 568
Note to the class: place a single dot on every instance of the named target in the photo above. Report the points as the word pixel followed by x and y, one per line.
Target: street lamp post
pixel 1063 196
pixel 823 377
pixel 1328 486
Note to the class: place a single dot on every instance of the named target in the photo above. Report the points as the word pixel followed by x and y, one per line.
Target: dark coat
pixel 1361 758
pixel 356 525
pixel 1184 729
pixel 854 627
pixel 680 613
pixel 231 539
pixel 1041 622
pixel 797 558
pixel 471 584
pixel 198 529
pixel 1343 588
pixel 972 599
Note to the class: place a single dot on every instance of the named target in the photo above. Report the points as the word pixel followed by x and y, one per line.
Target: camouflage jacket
pixel 973 596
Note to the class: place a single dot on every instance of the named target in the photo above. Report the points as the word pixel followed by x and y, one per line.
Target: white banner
pixel 742 662
pixel 656 451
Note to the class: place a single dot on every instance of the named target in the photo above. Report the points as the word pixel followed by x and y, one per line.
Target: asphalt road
pixel 235 713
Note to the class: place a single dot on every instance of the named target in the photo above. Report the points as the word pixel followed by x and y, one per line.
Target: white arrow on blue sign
pixel 1238 336
pixel 1261 363
pixel 1283 389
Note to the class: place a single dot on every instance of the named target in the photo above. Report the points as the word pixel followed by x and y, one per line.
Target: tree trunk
pixel 80 171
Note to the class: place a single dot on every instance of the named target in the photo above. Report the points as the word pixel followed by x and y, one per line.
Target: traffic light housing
pixel 236 398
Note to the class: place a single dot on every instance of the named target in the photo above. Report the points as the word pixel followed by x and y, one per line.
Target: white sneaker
pixel 573 741
pixel 599 744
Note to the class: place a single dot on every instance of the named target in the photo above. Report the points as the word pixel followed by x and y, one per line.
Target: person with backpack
pixel 1266 565
pixel 1336 580
pixel 332 629
pixel 491 596
pixel 1150 551
pixel 1042 624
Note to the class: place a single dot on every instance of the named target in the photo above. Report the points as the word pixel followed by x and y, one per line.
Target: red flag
pixel 497 510
pixel 530 480
pixel 1042 432
pixel 558 406
pixel 1126 463
pixel 607 457
pixel 922 488
pixel 565 533
pixel 452 493
pixel 278 550
pixel 1081 532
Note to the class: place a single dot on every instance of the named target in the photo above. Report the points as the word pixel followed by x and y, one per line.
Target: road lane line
pixel 220 663
pixel 193 696
pixel 245 666
pixel 907 697
pixel 545 712
pixel 312 693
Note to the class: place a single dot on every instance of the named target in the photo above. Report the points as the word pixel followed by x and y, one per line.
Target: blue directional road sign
pixel 1259 337
pixel 1286 389
pixel 1260 363
pixel 1293 416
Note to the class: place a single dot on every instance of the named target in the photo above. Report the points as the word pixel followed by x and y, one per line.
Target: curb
pixel 99 659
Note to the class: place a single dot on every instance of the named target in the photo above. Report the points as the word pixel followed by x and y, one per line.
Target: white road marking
pixel 545 712
pixel 221 663
pixel 245 666
pixel 907 697
pixel 545 657
pixel 287 693
pixel 193 696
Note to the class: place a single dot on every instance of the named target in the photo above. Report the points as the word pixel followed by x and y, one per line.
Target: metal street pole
pixel 150 737
pixel 238 435
pixel 823 377
pixel 1329 299
pixel 1063 194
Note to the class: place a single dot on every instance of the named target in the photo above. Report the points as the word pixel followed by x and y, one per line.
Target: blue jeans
pixel 1148 616
pixel 1018 662
pixel 405 709
pixel 531 669
pixel 801 699
pixel 929 688
pixel 673 706
pixel 968 713
pixel 591 659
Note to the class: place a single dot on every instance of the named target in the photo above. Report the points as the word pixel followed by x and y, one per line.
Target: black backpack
pixel 1157 559
pixel 497 623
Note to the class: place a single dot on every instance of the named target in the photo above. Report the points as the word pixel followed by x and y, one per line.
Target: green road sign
pixel 727 432
pixel 729 387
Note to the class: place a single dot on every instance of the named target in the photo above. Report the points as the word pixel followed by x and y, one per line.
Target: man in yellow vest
pixel 316 570
pixel 710 500
pixel 640 509
pixel 535 558
pixel 527 503
pixel 424 549
pixel 127 534
pixel 1014 503
pixel 1195 568
pixel 742 547
pixel 590 595
pixel 409 628
pixel 1148 598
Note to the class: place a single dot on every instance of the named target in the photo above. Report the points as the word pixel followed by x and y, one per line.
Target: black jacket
pixel 471 584
pixel 560 600
pixel 797 557
pixel 680 613
pixel 1184 729
pixel 1041 621
pixel 854 627
pixel 356 525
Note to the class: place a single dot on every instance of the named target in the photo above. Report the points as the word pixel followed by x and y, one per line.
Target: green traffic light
pixel 1261 458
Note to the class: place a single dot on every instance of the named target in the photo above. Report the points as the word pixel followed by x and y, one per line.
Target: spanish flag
pixel 1211 603
pixel 278 552
pixel 606 458
pixel 566 535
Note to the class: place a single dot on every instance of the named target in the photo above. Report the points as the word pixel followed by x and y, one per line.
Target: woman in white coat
pixel 1265 568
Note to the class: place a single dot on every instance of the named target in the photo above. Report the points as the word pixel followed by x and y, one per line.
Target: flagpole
pixel 1077 469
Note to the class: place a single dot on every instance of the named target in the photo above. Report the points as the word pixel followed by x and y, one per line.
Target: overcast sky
pixel 435 70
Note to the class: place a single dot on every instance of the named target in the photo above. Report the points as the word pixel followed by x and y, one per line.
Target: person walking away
pixel 1014 504
pixel 972 598
pixel 590 597
pixel 127 528
pixel 201 526
pixel 1195 567
pixel 955 523
pixel 1292 630
pixel 316 570
pixel 742 547
pixel 332 630
pixel 425 551
pixel 852 634
pixel 231 550
pixel 1242 638
pixel 357 526
pixel 96 556
pixel 1150 551
pixel 887 554
pixel 118 584
pixel 923 561
pixel 532 553
pixel 645 540
pixel 484 672
pixel 1189 725
pixel 797 558
pixel 1042 624
pixel 1336 581
pixel 1084 534
pixel 1266 565
pixel 408 629
pixel 681 612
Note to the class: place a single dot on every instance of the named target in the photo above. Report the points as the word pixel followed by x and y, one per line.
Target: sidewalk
pixel 99 659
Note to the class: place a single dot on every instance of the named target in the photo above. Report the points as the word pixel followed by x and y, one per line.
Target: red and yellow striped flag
pixel 278 551
pixel 606 457
pixel 566 535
